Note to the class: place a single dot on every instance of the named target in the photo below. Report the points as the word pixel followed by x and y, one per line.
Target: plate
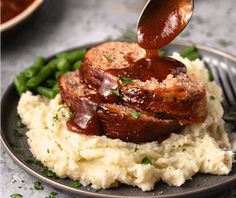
pixel 220 63
pixel 21 17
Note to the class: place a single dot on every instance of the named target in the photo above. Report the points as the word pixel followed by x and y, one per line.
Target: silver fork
pixel 224 73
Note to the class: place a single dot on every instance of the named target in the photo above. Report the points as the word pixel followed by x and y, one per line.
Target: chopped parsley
pixel 49 173
pixel 134 115
pixel 126 81
pixel 38 186
pixel 136 149
pixel 184 149
pixel 146 160
pixel 19 124
pixel 55 118
pixel 115 92
pixel 75 184
pixel 210 75
pixel 16 195
pixel 32 160
pixel 223 43
pixel 52 195
pixel 47 150
pixel 70 116
pixel 212 97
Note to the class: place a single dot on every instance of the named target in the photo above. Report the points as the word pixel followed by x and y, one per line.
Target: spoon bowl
pixel 161 21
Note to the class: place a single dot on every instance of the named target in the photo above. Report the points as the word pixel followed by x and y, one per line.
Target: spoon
pixel 161 21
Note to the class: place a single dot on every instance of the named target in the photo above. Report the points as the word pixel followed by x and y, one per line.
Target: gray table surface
pixel 62 24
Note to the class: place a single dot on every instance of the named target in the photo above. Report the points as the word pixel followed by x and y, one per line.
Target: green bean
pixel 35 68
pixel 44 73
pixel 77 65
pixel 44 91
pixel 56 88
pixel 59 74
pixel 50 83
pixel 63 64
pixel 20 83
pixel 63 54
pixel 185 52
pixel 76 55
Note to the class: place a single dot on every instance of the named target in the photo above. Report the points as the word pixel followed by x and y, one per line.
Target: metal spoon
pixel 161 21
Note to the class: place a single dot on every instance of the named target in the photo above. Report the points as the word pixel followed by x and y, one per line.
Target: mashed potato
pixel 105 162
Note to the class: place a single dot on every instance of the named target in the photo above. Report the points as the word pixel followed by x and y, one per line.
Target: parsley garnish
pixel 16 196
pixel 184 149
pixel 55 117
pixel 47 150
pixel 75 184
pixel 134 114
pixel 70 116
pixel 126 81
pixel 136 149
pixel 49 173
pixel 210 75
pixel 115 91
pixel 52 195
pixel 38 186
pixel 19 124
pixel 146 160
pixel 31 160
pixel 212 97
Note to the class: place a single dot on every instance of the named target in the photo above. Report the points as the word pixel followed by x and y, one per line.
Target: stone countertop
pixel 62 24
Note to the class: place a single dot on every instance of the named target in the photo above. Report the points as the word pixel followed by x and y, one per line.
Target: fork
pixel 225 76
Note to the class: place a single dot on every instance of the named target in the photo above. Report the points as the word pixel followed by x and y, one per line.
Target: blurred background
pixel 61 24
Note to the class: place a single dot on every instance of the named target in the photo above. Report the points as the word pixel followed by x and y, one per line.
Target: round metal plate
pixel 201 184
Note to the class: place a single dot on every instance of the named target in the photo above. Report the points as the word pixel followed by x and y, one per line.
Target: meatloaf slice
pixel 180 96
pixel 129 125
pixel 94 117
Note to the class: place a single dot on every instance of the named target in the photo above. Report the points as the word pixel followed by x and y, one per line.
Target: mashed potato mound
pixel 104 162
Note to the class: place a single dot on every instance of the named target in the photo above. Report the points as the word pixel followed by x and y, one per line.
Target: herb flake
pixel 38 186
pixel 136 149
pixel 134 115
pixel 212 97
pixel 19 124
pixel 115 92
pixel 49 173
pixel 52 195
pixel 32 160
pixel 70 116
pixel 75 184
pixel 146 160
pixel 126 81
pixel 16 195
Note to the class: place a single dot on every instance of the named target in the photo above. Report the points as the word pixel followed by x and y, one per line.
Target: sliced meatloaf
pixel 95 117
pixel 179 96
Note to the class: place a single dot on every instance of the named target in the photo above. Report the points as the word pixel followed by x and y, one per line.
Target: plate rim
pixel 212 189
